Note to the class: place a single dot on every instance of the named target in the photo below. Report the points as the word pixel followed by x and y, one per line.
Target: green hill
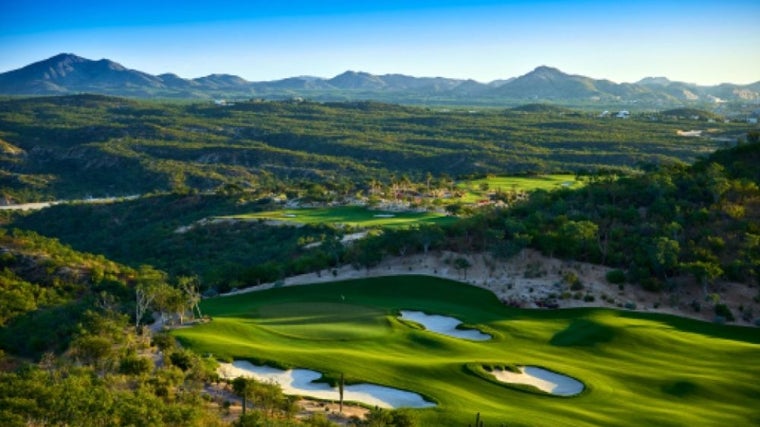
pixel 690 113
pixel 87 145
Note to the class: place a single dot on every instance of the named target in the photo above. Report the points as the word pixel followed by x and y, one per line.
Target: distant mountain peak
pixel 546 71
pixel 63 57
pixel 654 81
pixel 357 80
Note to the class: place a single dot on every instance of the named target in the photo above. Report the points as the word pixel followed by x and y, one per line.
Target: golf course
pixel 477 189
pixel 636 369
pixel 352 216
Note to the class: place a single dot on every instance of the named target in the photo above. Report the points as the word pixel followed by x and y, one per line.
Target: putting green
pixel 637 369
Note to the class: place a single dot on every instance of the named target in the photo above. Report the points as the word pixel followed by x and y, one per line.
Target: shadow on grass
pixel 583 333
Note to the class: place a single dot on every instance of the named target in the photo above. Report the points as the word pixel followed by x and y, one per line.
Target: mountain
pixel 68 73
pixel 222 81
pixel 549 83
pixel 654 81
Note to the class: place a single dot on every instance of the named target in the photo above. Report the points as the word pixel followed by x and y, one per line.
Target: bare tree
pixel 143 300
pixel 190 288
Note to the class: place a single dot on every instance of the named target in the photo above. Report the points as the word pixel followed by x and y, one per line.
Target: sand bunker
pixel 444 325
pixel 547 381
pixel 300 382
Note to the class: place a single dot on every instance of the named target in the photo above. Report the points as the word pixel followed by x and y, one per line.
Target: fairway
pixel 636 369
pixel 477 189
pixel 353 216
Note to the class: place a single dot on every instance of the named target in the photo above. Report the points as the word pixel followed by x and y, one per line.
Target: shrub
pixel 572 279
pixel 164 341
pixel 135 365
pixel 652 284
pixel 589 298
pixel 181 359
pixel 630 305
pixel 722 310
pixel 615 276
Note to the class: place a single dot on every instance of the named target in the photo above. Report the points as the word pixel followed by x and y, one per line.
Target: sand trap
pixel 300 382
pixel 444 325
pixel 548 381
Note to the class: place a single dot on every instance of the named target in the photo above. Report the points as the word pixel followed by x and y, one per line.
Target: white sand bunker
pixel 444 325
pixel 300 382
pixel 547 381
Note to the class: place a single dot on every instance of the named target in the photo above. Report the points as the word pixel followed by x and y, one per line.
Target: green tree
pixel 462 264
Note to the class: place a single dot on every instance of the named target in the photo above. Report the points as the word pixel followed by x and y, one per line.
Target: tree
pixel 143 299
pixel 462 264
pixel 243 387
pixel 577 238
pixel 333 246
pixel 341 385
pixel 150 283
pixel 429 235
pixel 169 300
pixel 663 256
pixel 190 288
pixel 704 272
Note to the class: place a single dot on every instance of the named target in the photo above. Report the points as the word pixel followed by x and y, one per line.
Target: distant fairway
pixel 638 369
pixel 475 189
pixel 354 216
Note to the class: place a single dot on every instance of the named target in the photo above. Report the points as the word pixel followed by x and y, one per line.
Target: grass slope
pixel 475 191
pixel 638 369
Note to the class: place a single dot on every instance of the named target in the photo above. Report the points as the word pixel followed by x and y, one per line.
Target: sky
pixel 704 42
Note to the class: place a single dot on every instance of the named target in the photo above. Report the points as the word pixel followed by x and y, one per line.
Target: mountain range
pixel 68 73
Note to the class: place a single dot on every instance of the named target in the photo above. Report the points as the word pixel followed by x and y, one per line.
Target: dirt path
pixel 529 280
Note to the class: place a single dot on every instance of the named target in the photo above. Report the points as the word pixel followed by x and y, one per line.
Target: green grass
pixel 639 369
pixel 353 216
pixel 474 190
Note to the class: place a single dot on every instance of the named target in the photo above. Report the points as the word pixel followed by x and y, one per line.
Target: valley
pixel 613 261
pixel 379 214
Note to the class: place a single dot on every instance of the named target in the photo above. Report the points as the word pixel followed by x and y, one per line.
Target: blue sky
pixel 706 42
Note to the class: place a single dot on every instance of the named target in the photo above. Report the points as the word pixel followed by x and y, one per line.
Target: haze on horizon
pixel 704 42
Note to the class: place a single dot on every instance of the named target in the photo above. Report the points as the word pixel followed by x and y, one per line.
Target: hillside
pixel 672 229
pixel 677 239
pixel 69 74
pixel 83 146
